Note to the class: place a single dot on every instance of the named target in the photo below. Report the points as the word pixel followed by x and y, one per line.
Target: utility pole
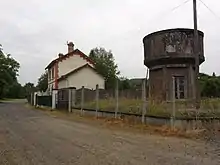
pixel 196 54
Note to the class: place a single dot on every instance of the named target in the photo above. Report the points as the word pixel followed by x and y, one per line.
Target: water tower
pixel 170 53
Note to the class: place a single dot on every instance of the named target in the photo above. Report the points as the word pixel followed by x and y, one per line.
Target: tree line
pixel 104 63
pixel 9 85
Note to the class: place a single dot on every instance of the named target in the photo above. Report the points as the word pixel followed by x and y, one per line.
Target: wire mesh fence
pixel 127 101
pixel 135 101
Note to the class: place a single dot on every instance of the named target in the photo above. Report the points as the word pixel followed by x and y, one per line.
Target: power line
pixel 180 5
pixel 209 9
pixel 160 16
pixel 174 8
pixel 164 14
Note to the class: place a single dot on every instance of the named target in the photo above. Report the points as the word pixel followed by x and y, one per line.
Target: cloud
pixel 35 31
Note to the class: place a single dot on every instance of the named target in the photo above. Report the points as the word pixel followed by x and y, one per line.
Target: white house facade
pixel 74 69
pixel 84 76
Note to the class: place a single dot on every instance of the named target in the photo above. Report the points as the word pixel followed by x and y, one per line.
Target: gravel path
pixel 31 137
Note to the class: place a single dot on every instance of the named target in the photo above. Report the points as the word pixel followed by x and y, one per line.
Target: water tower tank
pixel 170 53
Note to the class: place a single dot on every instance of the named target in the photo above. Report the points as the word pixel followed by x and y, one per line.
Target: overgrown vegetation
pixel 209 107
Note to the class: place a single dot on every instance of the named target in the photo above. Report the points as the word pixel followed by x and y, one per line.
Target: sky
pixel 35 31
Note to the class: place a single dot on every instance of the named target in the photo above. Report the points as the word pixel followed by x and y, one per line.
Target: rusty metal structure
pixel 170 53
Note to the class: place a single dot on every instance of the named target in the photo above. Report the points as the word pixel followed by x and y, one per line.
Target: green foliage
pixel 15 90
pixel 136 83
pixel 29 88
pixel 124 84
pixel 105 65
pixel 8 75
pixel 43 82
pixel 210 85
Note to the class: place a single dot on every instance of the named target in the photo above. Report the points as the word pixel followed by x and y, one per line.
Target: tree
pixel 209 85
pixel 8 72
pixel 29 88
pixel 124 83
pixel 43 82
pixel 105 65
pixel 15 90
pixel 211 88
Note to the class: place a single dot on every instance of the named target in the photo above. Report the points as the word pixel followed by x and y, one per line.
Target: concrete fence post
pixel 32 98
pixel 82 99
pixel 70 100
pixel 35 99
pixel 144 107
pixel 143 101
pixel 31 101
pixel 54 98
pixel 97 99
pixel 116 99
pixel 173 116
pixel 73 97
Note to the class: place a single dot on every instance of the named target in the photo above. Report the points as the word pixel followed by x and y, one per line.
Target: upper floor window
pixel 52 73
pixel 49 74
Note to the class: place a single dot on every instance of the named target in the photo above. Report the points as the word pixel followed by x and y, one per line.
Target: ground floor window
pixel 180 87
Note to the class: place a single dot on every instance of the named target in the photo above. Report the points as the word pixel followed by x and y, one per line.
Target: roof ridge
pixel 81 54
pixel 77 69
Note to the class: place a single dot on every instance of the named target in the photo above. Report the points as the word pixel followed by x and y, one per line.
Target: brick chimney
pixel 70 47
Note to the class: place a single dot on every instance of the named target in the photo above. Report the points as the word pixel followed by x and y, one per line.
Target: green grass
pixel 209 107
pixel 12 100
pixel 125 105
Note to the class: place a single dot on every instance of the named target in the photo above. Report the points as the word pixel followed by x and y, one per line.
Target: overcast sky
pixel 35 31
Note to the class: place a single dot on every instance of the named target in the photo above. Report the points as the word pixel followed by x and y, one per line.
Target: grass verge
pixel 120 124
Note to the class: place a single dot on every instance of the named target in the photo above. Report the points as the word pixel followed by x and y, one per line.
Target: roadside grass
pixel 119 124
pixel 12 100
pixel 152 129
pixel 209 107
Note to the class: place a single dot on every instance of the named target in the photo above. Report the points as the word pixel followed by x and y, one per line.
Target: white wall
pixel 70 64
pixel 85 77
pixel 51 85
pixel 51 74
pixel 62 84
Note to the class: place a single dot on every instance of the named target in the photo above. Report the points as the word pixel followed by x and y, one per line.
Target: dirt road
pixel 31 137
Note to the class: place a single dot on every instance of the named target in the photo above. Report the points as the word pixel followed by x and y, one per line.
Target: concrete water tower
pixel 170 53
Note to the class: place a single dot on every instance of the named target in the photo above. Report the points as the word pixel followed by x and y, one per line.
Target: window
pixel 179 87
pixel 49 75
pixel 53 73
